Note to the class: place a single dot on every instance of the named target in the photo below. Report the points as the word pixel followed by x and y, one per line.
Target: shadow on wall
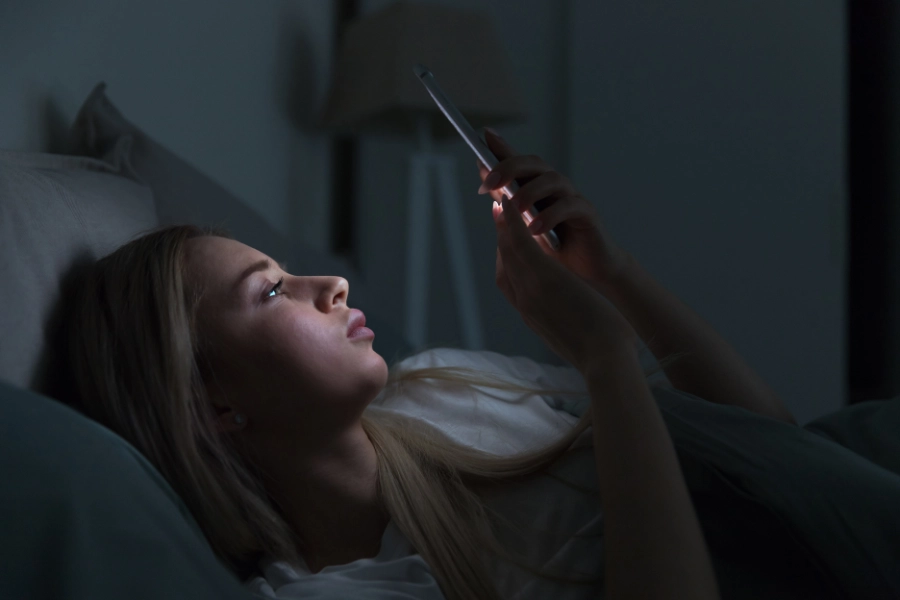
pixel 55 134
pixel 49 121
pixel 295 77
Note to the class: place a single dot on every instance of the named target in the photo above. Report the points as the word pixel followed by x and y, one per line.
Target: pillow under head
pixel 57 213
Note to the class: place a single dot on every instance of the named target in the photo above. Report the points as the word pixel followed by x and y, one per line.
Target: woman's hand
pixel 586 248
pixel 578 323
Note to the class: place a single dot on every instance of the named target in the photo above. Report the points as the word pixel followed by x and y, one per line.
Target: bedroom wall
pixel 713 136
pixel 231 87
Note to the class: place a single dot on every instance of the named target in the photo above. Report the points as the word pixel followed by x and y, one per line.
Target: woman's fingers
pixel 549 185
pixel 511 230
pixel 574 211
pixel 501 275
pixel 514 275
pixel 523 168
pixel 522 257
pixel 496 195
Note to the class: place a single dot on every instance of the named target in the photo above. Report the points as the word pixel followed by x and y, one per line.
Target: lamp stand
pixel 422 165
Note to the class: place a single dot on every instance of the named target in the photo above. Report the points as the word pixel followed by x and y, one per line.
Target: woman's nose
pixel 337 289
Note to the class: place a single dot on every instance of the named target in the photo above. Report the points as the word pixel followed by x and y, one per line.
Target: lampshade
pixel 374 89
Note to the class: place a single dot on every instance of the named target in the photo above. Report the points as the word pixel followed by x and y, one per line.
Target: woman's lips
pixel 357 321
pixel 361 332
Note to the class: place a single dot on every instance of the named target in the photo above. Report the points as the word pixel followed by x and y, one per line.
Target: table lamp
pixel 374 90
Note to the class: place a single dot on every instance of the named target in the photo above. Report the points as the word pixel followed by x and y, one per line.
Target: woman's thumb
pixel 517 232
pixel 512 221
pixel 510 214
pixel 497 212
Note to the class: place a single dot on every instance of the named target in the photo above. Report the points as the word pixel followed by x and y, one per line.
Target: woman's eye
pixel 275 289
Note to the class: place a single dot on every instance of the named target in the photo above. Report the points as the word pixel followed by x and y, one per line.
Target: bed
pixel 788 512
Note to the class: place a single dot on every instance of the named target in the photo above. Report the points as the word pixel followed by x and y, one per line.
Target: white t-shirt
pixel 500 422
pixel 396 573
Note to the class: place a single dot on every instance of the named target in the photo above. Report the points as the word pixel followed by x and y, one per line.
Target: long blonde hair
pixel 137 362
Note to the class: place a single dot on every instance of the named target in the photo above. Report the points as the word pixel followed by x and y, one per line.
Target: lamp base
pixel 421 165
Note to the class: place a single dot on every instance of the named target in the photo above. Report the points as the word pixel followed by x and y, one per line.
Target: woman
pixel 238 381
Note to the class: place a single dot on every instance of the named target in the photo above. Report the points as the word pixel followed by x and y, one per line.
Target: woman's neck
pixel 330 498
pixel 325 553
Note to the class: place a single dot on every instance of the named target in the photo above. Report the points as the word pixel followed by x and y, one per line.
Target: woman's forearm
pixel 713 370
pixel 653 544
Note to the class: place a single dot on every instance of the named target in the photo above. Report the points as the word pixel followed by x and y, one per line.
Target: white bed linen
pixel 500 422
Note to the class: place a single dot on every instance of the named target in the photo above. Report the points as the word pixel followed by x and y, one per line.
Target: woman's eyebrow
pixel 261 265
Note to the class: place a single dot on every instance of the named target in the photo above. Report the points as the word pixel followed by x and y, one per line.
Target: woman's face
pixel 280 355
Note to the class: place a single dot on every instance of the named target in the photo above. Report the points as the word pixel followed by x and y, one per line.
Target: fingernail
pixel 494 132
pixel 535 225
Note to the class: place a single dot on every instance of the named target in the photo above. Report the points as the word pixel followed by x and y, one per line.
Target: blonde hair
pixel 137 361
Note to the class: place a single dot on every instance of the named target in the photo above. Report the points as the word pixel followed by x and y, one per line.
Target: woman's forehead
pixel 217 260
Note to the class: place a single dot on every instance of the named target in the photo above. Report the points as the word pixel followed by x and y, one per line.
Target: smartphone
pixel 478 146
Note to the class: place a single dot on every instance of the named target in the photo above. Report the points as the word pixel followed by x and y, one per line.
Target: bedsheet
pixel 786 512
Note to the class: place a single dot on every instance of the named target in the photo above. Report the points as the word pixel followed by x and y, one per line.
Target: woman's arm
pixel 654 547
pixel 713 371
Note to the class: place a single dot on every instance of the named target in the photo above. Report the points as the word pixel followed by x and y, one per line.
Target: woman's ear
pixel 225 419
pixel 229 420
